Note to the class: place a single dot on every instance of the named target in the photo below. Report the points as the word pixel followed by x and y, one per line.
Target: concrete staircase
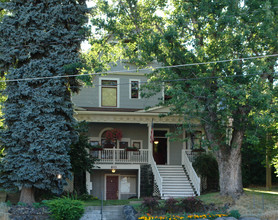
pixel 175 182
pixel 109 213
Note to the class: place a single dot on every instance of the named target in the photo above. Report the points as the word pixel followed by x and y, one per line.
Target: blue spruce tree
pixel 39 48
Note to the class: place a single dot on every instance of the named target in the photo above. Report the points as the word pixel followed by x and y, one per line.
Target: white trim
pixel 138 183
pixel 184 143
pixel 118 91
pixel 139 83
pixel 141 143
pixel 123 140
pixel 89 184
pixel 127 175
pixel 119 167
pixel 168 142
pixel 94 139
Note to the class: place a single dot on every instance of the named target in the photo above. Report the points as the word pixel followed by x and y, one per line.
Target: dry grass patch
pixel 256 202
pixel 259 203
pixel 216 198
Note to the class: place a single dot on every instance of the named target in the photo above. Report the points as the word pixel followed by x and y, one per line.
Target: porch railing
pixel 158 179
pixel 196 181
pixel 115 156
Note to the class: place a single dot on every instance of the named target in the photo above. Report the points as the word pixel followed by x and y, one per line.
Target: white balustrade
pixel 158 179
pixel 196 181
pixel 114 156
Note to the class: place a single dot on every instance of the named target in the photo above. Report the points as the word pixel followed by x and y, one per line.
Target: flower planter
pixel 97 149
pixel 131 149
pixel 198 150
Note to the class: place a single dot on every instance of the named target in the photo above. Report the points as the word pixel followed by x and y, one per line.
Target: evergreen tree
pixel 39 38
pixel 81 159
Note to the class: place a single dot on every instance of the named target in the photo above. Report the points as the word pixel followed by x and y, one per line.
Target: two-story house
pixel 114 102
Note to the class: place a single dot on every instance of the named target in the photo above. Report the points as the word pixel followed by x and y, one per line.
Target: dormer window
pixel 109 93
pixel 134 89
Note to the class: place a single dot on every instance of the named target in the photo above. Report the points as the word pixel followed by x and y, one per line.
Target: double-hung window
pixel 109 93
pixel 134 89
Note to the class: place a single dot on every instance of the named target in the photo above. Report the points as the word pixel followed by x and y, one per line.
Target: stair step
pixel 175 182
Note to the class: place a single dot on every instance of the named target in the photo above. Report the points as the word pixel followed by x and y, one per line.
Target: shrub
pixel 192 204
pixel 170 205
pixel 234 213
pixel 65 208
pixel 87 197
pixel 206 166
pixel 150 203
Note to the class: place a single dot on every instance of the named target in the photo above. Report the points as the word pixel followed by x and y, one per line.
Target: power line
pixel 191 79
pixel 184 80
pixel 145 69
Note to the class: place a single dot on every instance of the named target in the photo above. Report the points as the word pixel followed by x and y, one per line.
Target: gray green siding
pixel 90 96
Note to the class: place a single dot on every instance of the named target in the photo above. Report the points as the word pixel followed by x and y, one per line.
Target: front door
pixel 160 151
pixel 112 187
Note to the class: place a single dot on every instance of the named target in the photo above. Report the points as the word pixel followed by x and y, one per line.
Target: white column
pixel 139 178
pixel 150 147
pixel 89 184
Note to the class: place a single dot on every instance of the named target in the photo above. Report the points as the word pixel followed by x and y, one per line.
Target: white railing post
pixel 114 155
pixel 196 181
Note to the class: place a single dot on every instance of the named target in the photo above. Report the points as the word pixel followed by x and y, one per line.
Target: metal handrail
pixel 157 177
pixel 196 181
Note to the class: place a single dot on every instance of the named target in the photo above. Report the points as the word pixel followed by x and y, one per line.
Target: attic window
pixel 134 89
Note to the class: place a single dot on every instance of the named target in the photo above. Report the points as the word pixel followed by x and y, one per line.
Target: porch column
pixel 149 142
pixel 89 184
pixel 138 183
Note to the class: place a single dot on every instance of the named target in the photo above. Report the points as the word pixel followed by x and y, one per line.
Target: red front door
pixel 112 187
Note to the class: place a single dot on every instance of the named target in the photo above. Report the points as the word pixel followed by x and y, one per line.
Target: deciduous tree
pixel 222 89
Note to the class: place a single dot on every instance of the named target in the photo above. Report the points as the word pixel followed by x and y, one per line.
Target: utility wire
pixel 191 79
pixel 177 80
pixel 145 69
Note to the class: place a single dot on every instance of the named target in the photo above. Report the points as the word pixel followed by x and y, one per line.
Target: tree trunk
pixel 268 171
pixel 27 195
pixel 229 165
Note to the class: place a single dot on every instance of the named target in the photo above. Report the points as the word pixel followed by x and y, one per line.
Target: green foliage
pixel 39 39
pixel 150 203
pixel 87 197
pixel 206 165
pixel 81 160
pixel 192 204
pixel 22 204
pixel 234 213
pixel 65 208
pixel 253 166
pixel 170 205
pixel 223 96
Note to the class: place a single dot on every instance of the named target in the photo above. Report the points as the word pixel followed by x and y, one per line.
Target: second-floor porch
pixel 123 156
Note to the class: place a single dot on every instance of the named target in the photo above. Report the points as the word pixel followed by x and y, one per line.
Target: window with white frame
pixel 109 93
pixel 137 143
pixel 128 184
pixel 134 89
